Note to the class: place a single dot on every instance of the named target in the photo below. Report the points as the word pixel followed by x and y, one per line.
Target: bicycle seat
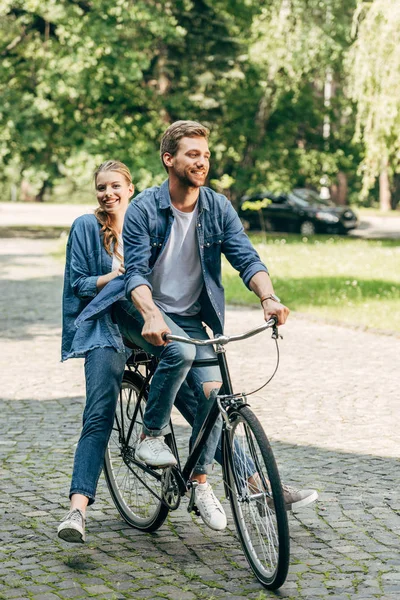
pixel 138 355
pixel 130 344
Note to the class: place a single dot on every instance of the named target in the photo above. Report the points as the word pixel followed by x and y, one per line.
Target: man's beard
pixel 185 180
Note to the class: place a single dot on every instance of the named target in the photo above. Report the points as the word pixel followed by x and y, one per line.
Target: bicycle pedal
pixel 192 505
pixel 195 510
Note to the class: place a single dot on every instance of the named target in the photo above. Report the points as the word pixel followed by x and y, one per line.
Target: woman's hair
pixel 110 235
pixel 175 132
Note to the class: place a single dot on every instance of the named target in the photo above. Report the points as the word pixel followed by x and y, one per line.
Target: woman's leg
pixel 104 368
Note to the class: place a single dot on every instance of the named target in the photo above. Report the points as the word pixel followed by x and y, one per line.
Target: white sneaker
pixel 209 506
pixel 154 452
pixel 72 528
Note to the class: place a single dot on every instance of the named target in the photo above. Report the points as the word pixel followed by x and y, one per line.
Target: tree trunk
pixel 261 120
pixel 40 196
pixel 339 189
pixel 396 191
pixel 384 190
pixel 342 189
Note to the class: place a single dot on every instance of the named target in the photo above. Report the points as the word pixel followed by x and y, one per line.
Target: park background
pixel 296 93
pixel 293 91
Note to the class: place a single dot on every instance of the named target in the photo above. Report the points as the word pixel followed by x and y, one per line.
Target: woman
pixel 94 258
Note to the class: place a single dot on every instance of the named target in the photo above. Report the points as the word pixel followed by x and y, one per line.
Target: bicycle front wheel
pixel 253 484
pixel 133 489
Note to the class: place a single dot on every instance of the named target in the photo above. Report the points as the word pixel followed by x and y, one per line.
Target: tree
pixel 82 81
pixel 374 74
pixel 275 134
pixel 77 86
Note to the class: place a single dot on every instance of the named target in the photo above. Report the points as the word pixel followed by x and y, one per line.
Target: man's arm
pixel 244 258
pixel 137 251
pixel 261 285
pixel 154 325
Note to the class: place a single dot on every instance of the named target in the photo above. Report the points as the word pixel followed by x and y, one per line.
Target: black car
pixel 301 210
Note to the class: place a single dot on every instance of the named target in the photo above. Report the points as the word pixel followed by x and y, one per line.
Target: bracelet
pixel 269 297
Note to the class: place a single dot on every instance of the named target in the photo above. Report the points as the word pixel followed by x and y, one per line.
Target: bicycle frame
pixel 216 408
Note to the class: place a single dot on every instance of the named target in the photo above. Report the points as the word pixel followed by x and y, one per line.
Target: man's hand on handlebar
pixel 154 328
pixel 275 309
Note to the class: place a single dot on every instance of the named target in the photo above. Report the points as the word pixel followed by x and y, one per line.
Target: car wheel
pixel 307 228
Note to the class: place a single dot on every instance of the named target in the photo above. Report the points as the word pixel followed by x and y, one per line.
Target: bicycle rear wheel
pixel 255 493
pixel 130 485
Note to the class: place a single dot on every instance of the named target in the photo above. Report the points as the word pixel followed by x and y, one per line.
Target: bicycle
pixel 144 495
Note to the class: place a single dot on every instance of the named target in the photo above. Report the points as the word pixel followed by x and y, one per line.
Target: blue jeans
pixel 175 365
pixel 104 368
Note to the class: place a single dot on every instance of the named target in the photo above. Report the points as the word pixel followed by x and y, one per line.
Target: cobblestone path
pixel 331 413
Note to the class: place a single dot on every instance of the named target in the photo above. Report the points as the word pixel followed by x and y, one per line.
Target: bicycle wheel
pixel 129 484
pixel 255 493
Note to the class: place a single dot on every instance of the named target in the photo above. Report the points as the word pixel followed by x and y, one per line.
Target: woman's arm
pixel 104 279
pixel 84 252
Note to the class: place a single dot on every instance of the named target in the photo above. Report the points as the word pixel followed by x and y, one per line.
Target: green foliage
pixel 84 81
pixel 77 84
pixel 374 83
pixel 256 204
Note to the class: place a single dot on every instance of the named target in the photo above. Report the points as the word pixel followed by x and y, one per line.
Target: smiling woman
pixel 114 189
pixel 94 258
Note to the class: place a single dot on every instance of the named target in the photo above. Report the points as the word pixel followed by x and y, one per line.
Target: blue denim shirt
pixel 86 260
pixel 147 226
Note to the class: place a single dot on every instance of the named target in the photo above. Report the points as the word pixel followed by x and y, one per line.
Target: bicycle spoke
pixel 253 482
pixel 135 491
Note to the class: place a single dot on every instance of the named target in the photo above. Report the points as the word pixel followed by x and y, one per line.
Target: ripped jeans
pixel 175 365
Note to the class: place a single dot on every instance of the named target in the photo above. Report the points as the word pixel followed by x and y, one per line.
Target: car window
pixel 311 197
pixel 297 200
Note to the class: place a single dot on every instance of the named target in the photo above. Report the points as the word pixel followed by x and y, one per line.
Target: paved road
pixel 14 214
pixel 332 414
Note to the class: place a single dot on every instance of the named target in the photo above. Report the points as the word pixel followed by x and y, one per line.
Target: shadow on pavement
pixel 345 545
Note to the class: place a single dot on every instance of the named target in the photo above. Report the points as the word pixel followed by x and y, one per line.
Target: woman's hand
pixel 120 270
pixel 104 279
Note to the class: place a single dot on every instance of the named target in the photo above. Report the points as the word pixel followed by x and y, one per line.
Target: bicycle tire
pixel 138 506
pixel 258 508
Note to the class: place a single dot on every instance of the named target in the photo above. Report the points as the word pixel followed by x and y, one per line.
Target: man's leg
pixel 175 360
pixel 203 381
pixel 186 402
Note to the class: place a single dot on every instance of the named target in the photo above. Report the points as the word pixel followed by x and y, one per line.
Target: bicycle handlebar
pixel 221 339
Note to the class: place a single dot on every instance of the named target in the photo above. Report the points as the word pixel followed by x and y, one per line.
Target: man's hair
pixel 175 132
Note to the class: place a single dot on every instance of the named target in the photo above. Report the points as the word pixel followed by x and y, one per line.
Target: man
pixel 174 236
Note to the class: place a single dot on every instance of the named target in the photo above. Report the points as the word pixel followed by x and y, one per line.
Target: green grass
pixel 350 280
pixel 344 279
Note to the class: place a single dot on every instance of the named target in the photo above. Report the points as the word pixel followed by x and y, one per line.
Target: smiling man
pixel 174 236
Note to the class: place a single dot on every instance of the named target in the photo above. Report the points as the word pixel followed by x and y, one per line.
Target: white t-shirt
pixel 116 262
pixel 177 278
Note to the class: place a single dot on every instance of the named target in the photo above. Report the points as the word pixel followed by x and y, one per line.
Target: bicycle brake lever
pixel 275 334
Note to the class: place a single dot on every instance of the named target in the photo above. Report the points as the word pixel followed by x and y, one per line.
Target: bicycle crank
pixel 170 489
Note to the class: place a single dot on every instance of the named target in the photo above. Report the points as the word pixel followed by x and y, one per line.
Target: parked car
pixel 301 210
